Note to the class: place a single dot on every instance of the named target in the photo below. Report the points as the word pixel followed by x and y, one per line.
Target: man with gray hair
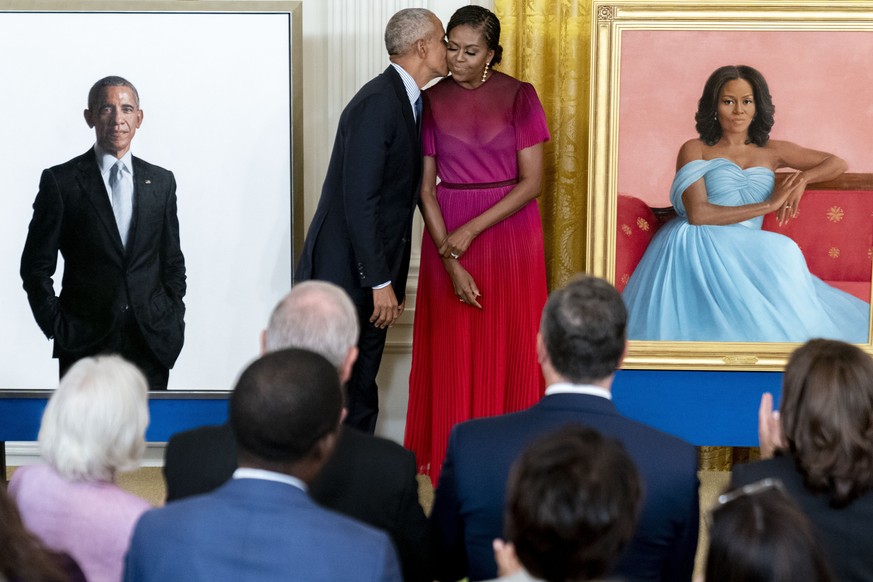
pixel 368 478
pixel 580 346
pixel 360 237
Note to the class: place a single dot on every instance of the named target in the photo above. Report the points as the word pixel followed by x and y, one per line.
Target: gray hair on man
pixel 317 316
pixel 94 424
pixel 407 27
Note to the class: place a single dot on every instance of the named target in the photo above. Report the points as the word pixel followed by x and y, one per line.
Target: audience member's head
pixel 572 502
pixel 94 424
pixel 317 316
pixel 758 534
pixel 582 332
pixel 285 412
pixel 827 417
pixel 22 556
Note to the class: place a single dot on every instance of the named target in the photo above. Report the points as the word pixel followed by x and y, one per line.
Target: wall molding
pixel 27 453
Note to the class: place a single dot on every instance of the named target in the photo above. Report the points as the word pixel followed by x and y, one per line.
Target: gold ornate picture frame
pixel 633 140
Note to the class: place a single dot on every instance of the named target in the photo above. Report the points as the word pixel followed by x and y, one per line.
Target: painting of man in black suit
pixel 112 216
pixel 360 236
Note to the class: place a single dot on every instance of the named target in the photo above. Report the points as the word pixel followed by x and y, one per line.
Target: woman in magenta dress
pixel 482 284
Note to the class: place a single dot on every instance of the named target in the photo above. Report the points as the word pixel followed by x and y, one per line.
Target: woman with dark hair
pixel 712 274
pixel 23 558
pixel 758 534
pixel 823 446
pixel 482 284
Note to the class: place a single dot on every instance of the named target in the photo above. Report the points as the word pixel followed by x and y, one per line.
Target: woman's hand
pixel 457 242
pixel 462 281
pixel 786 196
pixel 770 437
pixel 504 555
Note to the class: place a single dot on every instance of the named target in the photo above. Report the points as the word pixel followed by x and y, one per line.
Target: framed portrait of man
pixel 219 89
pixel 706 118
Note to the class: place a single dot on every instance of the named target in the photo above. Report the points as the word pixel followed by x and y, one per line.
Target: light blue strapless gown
pixel 735 282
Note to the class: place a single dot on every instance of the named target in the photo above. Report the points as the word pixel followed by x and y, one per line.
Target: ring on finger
pixel 454 255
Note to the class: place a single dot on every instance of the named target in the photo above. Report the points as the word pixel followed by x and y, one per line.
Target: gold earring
pixel 485 72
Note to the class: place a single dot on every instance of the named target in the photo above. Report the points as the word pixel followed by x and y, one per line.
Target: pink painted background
pixel 820 82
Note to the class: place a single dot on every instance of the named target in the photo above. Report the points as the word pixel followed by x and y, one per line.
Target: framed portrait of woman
pixel 730 182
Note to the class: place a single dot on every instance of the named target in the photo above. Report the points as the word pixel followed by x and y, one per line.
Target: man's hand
pixel 385 307
pixel 770 437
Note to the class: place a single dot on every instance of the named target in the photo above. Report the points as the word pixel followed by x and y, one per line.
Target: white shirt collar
pixel 105 161
pixel 251 473
pixel 412 90
pixel 567 388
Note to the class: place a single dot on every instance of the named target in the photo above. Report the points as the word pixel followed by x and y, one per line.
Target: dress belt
pixel 482 186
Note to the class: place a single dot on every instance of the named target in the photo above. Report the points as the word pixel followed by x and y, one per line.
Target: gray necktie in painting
pixel 122 203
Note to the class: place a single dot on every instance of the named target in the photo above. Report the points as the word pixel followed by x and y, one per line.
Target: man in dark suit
pixel 285 412
pixel 360 236
pixel 580 345
pixel 368 478
pixel 113 218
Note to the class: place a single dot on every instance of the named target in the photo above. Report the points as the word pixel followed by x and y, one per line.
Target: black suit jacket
pixel 72 215
pixel 368 478
pixel 361 233
pixel 468 507
pixel 844 533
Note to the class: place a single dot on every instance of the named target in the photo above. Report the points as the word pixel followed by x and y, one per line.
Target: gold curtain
pixel 547 43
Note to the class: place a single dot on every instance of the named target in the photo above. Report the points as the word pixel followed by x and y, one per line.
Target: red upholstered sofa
pixel 834 229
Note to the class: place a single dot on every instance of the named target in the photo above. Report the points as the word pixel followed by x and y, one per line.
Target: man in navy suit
pixel 113 218
pixel 580 345
pixel 262 525
pixel 360 237
pixel 368 478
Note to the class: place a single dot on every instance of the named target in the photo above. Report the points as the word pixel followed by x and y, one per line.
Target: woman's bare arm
pixel 701 211
pixel 530 177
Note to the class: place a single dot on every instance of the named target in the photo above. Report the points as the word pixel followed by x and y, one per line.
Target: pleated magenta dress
pixel 468 363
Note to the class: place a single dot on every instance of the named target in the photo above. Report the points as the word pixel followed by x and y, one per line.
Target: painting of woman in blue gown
pixel 712 274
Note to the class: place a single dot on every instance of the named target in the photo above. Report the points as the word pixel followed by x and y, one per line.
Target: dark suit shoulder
pixel 84 162
pixel 202 434
pixel 360 462
pixel 379 96
pixel 780 467
pixel 199 460
pixel 377 448
pixel 141 165
pixel 373 479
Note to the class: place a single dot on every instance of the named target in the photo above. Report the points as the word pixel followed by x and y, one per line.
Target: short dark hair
pixel 827 417
pixel 110 81
pixel 763 537
pixel 707 108
pixel 283 404
pixel 483 19
pixel 584 327
pixel 572 503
